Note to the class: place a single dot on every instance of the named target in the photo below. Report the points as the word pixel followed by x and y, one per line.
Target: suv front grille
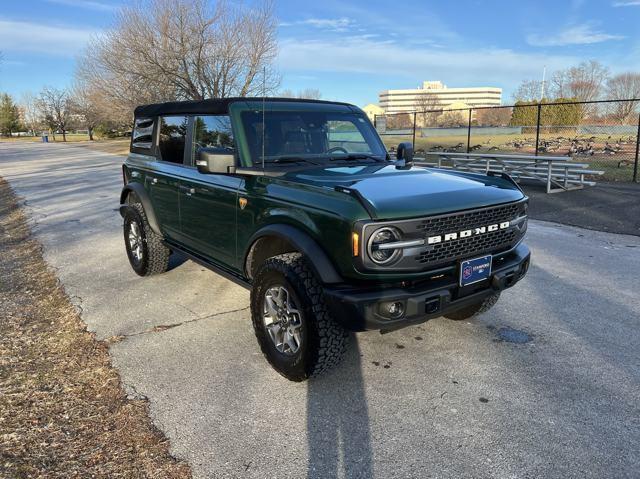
pixel 461 221
pixel 490 242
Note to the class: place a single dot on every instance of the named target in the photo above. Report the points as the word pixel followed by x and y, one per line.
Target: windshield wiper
pixel 290 159
pixel 356 156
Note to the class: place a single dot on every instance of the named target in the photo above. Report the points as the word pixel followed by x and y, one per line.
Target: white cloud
pixel 86 4
pixel 584 34
pixel 403 63
pixel 627 3
pixel 332 24
pixel 37 37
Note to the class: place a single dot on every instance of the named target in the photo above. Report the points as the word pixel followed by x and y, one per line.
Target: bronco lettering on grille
pixel 468 233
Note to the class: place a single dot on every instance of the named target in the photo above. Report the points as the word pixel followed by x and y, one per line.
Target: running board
pixel 239 280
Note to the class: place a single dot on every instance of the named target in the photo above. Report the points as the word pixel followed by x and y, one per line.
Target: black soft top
pixel 215 106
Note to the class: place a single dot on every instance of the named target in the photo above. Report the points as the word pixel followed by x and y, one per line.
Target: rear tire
pixel 147 254
pixel 475 309
pixel 296 333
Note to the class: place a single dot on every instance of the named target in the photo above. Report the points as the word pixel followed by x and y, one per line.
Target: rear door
pixel 163 181
pixel 208 202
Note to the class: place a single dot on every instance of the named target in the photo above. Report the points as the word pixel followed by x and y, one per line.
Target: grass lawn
pixel 63 411
pixel 117 146
pixel 504 144
pixel 71 138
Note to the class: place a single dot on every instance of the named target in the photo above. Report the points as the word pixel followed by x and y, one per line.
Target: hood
pixel 391 193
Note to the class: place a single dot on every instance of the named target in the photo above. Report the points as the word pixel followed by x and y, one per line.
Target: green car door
pixel 162 181
pixel 208 202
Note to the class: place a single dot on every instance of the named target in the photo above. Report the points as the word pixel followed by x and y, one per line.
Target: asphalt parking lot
pixel 547 384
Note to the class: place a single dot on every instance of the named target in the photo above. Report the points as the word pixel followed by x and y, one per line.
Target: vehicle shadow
pixel 176 259
pixel 338 435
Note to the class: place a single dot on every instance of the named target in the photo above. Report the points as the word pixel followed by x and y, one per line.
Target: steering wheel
pixel 337 148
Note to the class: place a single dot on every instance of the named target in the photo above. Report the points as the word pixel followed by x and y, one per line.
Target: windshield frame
pixel 236 110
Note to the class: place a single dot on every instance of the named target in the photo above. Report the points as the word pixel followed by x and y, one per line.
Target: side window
pixel 173 132
pixel 212 132
pixel 142 133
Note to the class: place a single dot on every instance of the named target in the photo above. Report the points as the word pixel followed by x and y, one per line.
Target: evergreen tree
pixel 9 115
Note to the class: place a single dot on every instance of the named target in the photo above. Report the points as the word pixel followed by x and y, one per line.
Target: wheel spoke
pixel 275 331
pixel 282 319
pixel 296 336
pixel 271 308
pixel 291 341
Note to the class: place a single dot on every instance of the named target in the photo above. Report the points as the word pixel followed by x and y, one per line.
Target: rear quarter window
pixel 142 136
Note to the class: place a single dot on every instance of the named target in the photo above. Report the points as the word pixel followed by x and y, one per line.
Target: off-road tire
pixel 324 341
pixel 475 309
pixel 155 256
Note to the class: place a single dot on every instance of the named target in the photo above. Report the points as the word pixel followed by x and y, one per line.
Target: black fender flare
pixel 318 259
pixel 142 194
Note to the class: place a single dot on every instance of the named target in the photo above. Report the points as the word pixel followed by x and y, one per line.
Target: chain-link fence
pixel 602 133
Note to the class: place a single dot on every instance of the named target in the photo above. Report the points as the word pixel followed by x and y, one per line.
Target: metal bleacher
pixel 558 173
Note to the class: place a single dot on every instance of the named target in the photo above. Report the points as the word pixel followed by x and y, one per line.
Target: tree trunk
pixel 64 135
pixel 90 130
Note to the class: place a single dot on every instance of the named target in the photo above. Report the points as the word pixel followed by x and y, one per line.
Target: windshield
pixel 310 136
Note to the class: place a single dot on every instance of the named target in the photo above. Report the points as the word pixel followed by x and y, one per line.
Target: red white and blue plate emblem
pixel 475 270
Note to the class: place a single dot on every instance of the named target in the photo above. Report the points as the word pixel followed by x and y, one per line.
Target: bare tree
pixel 307 93
pixel 161 50
pixel 621 87
pixel 310 94
pixel 56 109
pixel 496 116
pixel 31 113
pixel 453 118
pixel 86 105
pixel 583 82
pixel 428 108
pixel 528 90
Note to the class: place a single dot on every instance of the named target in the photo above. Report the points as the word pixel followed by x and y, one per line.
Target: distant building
pixel 434 95
pixel 372 110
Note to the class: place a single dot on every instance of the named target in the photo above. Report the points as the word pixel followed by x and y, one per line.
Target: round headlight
pixel 380 237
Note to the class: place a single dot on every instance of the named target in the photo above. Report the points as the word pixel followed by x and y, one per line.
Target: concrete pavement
pixel 444 399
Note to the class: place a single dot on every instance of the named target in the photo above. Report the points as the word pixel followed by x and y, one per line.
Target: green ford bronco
pixel 299 201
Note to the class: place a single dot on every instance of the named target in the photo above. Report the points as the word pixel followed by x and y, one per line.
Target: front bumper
pixel 359 308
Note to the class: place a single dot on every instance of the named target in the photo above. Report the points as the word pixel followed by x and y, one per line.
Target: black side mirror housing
pixel 215 160
pixel 405 152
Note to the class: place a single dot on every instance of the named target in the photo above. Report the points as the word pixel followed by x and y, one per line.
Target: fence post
pixel 469 133
pixel 538 128
pixel 414 129
pixel 635 164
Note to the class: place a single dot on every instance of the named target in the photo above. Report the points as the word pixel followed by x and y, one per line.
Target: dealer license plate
pixel 475 270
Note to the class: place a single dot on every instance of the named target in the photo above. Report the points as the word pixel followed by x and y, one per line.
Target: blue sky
pixel 350 50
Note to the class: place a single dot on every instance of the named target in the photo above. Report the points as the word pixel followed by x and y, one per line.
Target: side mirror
pixel 215 160
pixel 405 152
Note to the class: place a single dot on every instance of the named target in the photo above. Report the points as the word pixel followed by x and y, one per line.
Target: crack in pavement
pixel 164 327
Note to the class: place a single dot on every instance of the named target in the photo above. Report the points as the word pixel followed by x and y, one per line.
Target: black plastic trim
pixel 141 193
pixel 231 276
pixel 355 306
pixel 316 256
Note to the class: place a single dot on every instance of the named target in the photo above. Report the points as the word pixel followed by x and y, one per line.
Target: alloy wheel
pixel 282 319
